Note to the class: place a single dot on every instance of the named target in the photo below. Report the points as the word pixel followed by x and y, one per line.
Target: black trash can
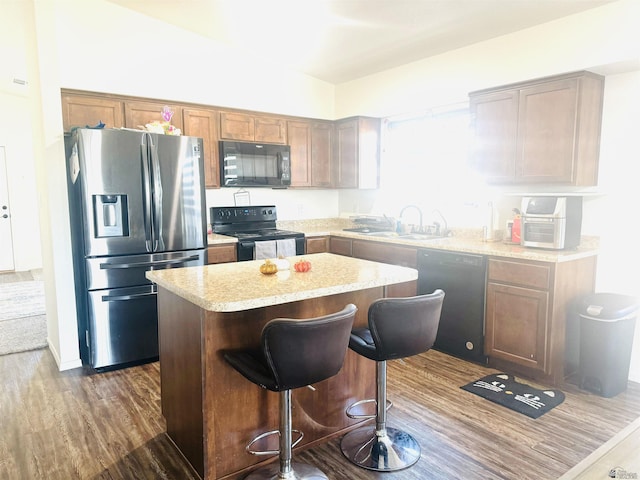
pixel 607 323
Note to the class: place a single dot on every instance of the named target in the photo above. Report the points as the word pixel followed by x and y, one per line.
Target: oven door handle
pixel 247 244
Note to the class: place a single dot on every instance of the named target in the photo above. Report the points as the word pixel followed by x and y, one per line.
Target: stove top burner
pixel 265 234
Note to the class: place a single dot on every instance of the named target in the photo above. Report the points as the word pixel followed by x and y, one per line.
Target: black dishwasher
pixel 462 277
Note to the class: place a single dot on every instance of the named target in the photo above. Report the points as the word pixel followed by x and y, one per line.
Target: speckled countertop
pixel 232 287
pixel 468 241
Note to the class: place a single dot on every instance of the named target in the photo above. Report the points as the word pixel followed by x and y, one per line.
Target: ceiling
pixel 341 40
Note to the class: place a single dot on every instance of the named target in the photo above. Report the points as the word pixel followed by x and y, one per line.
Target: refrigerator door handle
pixel 146 195
pixel 119 298
pixel 156 211
pixel 159 263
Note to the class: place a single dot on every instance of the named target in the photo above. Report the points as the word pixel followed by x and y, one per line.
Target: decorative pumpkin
pixel 302 265
pixel 268 268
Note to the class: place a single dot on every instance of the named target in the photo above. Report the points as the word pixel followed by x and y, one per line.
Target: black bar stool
pixel 398 328
pixel 294 354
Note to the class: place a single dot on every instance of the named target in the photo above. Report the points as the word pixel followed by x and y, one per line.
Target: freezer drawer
pixel 129 270
pixel 123 326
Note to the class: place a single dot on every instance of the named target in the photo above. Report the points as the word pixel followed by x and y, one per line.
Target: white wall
pixel 16 136
pixel 107 48
pixel 291 204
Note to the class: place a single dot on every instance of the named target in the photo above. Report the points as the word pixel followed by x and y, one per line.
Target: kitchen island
pixel 211 411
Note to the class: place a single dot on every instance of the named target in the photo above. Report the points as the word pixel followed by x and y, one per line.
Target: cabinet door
pixel 236 126
pixel 547 132
pixel 385 253
pixel 495 117
pixel 516 325
pixel 221 254
pixel 340 246
pixel 317 244
pixel 138 114
pixel 321 145
pixel 346 156
pixel 204 124
pixel 270 129
pixel 299 134
pixel 81 110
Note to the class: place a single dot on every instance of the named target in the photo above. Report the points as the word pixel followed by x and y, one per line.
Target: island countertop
pixel 233 287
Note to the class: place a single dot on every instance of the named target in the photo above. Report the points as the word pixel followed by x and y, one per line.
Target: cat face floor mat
pixel 504 390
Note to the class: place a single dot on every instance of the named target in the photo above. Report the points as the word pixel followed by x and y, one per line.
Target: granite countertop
pixel 477 246
pixel 232 287
pixel 461 241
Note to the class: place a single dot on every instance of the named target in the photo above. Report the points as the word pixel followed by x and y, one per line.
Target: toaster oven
pixel 551 222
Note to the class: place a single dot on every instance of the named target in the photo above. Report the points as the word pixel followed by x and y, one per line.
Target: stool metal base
pixel 299 471
pixel 380 452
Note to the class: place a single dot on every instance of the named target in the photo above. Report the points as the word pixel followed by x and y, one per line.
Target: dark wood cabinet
pixel 317 244
pixel 221 253
pixel 340 246
pixel 356 160
pixel 311 145
pixel 517 313
pixel 544 131
pixel 83 110
pixel 527 305
pixel 138 114
pixel 380 252
pixel 204 124
pixel 385 253
pixel 324 153
pixel 252 128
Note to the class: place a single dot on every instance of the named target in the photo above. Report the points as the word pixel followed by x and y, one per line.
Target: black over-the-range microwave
pixel 254 165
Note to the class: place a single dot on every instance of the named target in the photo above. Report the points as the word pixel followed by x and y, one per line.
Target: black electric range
pixel 250 225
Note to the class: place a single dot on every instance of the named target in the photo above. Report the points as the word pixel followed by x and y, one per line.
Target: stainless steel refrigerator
pixel 137 203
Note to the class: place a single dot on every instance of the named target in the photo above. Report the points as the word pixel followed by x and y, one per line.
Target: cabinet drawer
pixel 317 244
pixel 340 246
pixel 379 252
pixel 518 273
pixel 221 254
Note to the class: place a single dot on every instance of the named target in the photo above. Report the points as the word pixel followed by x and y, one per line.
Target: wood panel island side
pixel 211 411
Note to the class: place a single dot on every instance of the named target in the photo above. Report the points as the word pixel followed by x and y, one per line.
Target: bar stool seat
pixel 398 328
pixel 294 353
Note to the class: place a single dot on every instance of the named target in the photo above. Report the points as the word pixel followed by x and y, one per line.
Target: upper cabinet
pixel 252 128
pixel 83 110
pixel 543 131
pixel 311 144
pixel 138 114
pixel 324 153
pixel 356 158
pixel 203 123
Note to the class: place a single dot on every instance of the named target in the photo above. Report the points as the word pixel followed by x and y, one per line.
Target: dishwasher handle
pixel 451 259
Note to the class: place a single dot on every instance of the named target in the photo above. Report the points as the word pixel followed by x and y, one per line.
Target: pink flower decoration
pixel 167 113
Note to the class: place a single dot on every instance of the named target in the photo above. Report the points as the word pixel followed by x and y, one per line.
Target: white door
pixel 6 241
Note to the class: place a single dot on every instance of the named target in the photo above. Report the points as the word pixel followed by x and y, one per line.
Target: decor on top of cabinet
pixel 165 126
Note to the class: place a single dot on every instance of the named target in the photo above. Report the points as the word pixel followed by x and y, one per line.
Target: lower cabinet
pixel 341 246
pixel 317 244
pixel 527 307
pixel 221 253
pixel 380 252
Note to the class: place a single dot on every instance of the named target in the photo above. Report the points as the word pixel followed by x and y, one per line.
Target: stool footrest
pixel 267 434
pixel 362 402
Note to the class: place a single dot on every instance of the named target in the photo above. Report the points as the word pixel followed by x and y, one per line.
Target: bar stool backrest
pixel 402 327
pixel 303 352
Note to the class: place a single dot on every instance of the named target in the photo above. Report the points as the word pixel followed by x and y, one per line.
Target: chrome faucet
pixel 445 231
pixel 419 213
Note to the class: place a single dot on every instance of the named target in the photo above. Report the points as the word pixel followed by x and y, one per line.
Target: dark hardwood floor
pixel 73 425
